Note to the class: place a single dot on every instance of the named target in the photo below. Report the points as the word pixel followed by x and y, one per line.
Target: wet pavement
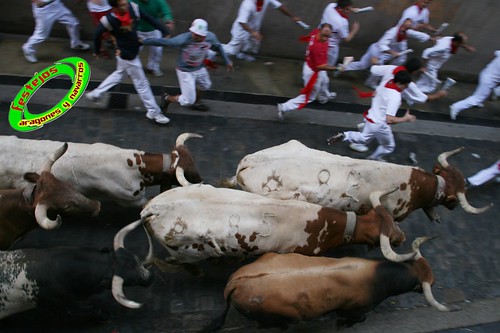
pixel 464 257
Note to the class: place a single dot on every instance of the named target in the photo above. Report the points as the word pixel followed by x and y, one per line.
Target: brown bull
pixel 22 210
pixel 278 289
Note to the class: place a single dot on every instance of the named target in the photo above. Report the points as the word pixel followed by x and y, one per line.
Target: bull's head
pixel 129 270
pixel 182 162
pixel 47 193
pixel 424 274
pixel 454 189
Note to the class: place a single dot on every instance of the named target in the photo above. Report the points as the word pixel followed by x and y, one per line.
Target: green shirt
pixel 156 8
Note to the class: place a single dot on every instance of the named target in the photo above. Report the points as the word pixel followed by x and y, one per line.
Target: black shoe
pixel 164 102
pixel 336 138
pixel 199 107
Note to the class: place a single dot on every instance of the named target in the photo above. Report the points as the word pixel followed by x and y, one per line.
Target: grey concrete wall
pixel 479 19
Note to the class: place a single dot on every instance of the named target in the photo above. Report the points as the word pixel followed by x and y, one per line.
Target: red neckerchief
pixel 454 48
pixel 307 38
pixel 398 69
pixel 344 15
pixel 420 9
pixel 392 85
pixel 401 34
pixel 259 4
pixel 125 19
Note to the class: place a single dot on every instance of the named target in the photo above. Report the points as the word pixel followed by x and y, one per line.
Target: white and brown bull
pixel 64 278
pixel 99 170
pixel 44 195
pixel 294 171
pixel 278 289
pixel 200 221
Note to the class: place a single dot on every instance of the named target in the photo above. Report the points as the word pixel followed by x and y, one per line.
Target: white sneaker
pixel 30 56
pixel 244 56
pixel 361 148
pixel 324 100
pixel 453 112
pixel 92 97
pixel 155 72
pixel 360 126
pixel 81 47
pixel 281 114
pixel 158 117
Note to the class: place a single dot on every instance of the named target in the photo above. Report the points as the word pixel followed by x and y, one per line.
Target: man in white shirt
pixel 489 79
pixel 337 16
pixel 380 116
pixel 436 56
pixel 245 31
pixel 419 14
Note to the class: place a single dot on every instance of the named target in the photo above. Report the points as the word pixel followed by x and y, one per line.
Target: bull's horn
pixel 179 173
pixel 150 257
pixel 117 290
pixel 468 207
pixel 426 287
pixel 388 252
pixel 49 161
pixel 442 158
pixel 375 196
pixel 43 220
pixel 120 236
pixel 416 245
pixel 184 136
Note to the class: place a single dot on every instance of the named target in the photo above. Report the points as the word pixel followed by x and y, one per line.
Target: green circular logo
pixel 19 116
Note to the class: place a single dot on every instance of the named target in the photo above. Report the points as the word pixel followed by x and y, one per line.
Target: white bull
pixel 98 170
pixel 200 221
pixel 294 171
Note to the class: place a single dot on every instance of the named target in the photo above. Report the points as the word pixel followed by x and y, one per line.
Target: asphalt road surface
pixel 464 256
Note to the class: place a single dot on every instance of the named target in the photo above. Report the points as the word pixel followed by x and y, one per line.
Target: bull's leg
pixel 350 317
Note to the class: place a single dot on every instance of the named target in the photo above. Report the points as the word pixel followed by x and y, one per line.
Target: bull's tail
pixel 228 182
pixel 218 321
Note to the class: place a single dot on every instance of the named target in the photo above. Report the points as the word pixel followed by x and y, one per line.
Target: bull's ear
pixel 436 170
pixel 32 177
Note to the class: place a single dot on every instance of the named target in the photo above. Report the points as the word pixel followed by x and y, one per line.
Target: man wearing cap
pixel 191 71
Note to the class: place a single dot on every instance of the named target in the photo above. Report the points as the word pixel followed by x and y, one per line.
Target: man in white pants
pixel 122 24
pixel 191 71
pixel 436 56
pixel 379 117
pixel 337 15
pixel 46 13
pixel 313 72
pixel 390 48
pixel 160 10
pixel 484 175
pixel 245 31
pixel 489 79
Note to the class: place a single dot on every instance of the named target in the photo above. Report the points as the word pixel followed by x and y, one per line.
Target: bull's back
pixel 96 170
pixel 236 221
pixel 299 287
pixel 294 171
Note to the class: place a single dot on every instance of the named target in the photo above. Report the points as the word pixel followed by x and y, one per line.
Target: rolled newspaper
pixel 364 9
pixel 441 28
pixel 347 61
pixel 448 83
pixel 303 25
pixel 405 52
pixel 435 79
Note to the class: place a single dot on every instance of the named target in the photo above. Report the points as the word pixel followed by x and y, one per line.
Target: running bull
pixel 200 221
pixel 22 210
pixel 99 170
pixel 294 171
pixel 278 289
pixel 64 278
